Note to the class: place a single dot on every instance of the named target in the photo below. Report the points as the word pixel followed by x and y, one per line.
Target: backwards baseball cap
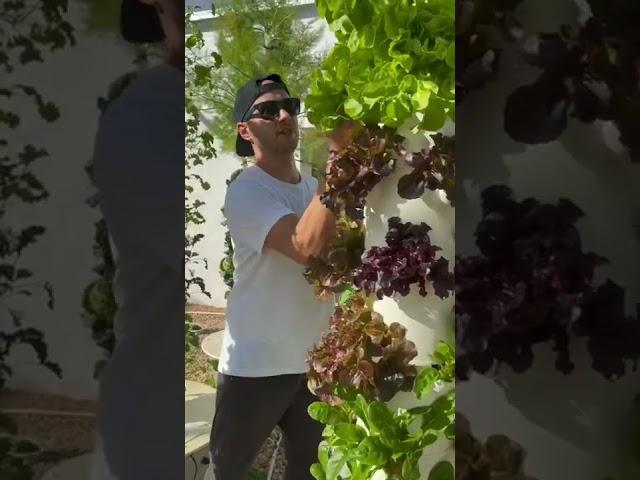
pixel 245 98
pixel 139 22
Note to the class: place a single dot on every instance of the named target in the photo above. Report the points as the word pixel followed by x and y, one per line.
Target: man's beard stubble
pixel 284 146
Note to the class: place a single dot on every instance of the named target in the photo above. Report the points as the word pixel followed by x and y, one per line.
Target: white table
pixel 199 407
pixel 212 344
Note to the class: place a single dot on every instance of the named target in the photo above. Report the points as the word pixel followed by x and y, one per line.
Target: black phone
pixel 139 22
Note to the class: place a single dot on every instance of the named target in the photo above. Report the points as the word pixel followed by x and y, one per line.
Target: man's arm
pixel 308 236
pixel 312 234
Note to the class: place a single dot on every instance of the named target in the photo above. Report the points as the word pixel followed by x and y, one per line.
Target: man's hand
pixel 313 234
pixel 343 135
pixel 302 238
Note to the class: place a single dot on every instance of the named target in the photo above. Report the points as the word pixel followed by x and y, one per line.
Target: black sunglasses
pixel 270 110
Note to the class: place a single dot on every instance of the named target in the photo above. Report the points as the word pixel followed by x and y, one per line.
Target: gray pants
pixel 248 409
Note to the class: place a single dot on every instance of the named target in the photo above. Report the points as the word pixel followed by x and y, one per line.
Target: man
pixel 277 223
pixel 139 171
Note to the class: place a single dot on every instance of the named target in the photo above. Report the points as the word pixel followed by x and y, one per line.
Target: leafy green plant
pixel 332 273
pixel 392 59
pixel 16 452
pixel 363 436
pixel 36 27
pixel 199 67
pixel 389 77
pixel 226 266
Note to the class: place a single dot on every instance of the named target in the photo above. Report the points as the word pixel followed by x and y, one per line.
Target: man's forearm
pixel 315 231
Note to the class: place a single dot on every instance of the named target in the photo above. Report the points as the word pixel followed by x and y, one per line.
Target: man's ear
pixel 243 131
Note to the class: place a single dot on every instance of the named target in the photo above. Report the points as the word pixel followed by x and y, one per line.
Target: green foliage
pixel 16 452
pixel 255 37
pixel 314 146
pixel 440 372
pixel 191 333
pixel 392 66
pixel 257 475
pixel 392 60
pixel 347 295
pixel 199 73
pixel 362 437
pixel 442 471
pixel 332 273
pixel 226 265
pixel 102 16
pixel 98 300
pixel 36 27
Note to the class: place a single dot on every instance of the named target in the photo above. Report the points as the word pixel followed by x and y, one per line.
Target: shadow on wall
pixel 576 425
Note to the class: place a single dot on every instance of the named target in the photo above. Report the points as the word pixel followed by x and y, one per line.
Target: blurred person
pixel 139 172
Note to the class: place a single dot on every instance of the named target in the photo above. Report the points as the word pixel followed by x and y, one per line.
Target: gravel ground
pixel 62 427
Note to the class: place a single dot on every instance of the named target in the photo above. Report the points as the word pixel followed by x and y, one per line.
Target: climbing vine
pixel 37 27
pixel 200 65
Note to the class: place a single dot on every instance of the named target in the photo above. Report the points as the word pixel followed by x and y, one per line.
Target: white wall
pixel 218 170
pixel 572 427
pixel 72 78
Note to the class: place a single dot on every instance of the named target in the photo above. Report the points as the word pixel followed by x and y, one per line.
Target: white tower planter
pixel 429 319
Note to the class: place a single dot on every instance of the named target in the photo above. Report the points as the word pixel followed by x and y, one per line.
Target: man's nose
pixel 284 115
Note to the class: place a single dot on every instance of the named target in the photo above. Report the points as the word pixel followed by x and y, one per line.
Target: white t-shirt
pixel 273 316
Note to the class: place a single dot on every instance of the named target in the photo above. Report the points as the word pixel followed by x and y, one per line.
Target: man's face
pixel 272 137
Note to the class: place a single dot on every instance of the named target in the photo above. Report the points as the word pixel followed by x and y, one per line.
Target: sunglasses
pixel 270 110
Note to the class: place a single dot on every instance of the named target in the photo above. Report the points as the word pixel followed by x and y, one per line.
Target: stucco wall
pixel 73 79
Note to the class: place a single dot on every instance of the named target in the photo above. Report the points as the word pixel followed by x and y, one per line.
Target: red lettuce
pixel 433 169
pixel 409 258
pixel 362 354
pixel 533 283
pixel 355 170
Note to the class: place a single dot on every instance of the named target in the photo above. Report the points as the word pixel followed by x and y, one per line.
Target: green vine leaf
pixel 442 471
pixel 327 414
pixel 425 381
pixel 336 463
